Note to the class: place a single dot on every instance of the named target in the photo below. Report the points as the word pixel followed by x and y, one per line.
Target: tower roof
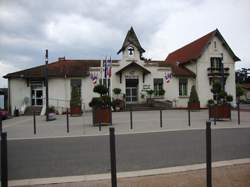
pixel 131 38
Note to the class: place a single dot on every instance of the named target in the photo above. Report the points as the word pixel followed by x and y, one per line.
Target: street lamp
pixel 46 84
pixel 222 73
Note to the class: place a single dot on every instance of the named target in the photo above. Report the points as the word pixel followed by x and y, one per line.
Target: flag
pixel 168 77
pixel 109 67
pixel 94 78
pixel 105 66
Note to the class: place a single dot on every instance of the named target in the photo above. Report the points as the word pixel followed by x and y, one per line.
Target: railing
pixel 218 71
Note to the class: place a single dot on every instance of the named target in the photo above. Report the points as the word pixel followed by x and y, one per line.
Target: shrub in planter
pixel 194 102
pixel 101 106
pixel 118 104
pixel 75 102
pixel 161 92
pixel 222 108
pixel 117 91
pixel 150 93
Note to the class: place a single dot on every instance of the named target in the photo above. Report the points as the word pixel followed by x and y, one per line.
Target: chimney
pixel 61 58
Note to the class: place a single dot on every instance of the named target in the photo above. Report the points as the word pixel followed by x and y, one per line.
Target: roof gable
pixel 194 50
pixel 131 38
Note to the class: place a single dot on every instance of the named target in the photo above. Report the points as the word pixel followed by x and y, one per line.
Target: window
pixel 215 44
pixel 216 62
pixel 158 85
pixel 183 85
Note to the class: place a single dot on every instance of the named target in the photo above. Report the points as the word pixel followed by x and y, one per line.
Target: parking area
pixel 143 121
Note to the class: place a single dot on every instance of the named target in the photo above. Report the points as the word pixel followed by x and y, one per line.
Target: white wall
pixel 18 91
pixel 202 82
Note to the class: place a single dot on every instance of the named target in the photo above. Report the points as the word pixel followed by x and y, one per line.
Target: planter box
pixel 75 110
pixel 220 111
pixel 102 115
pixel 194 106
pixel 51 116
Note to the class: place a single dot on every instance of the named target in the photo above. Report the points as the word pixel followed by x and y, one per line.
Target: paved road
pixel 38 158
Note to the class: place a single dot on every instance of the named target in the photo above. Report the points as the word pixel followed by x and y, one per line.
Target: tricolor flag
pixel 109 67
pixel 94 78
pixel 168 77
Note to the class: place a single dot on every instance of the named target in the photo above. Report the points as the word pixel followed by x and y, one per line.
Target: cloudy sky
pixel 93 29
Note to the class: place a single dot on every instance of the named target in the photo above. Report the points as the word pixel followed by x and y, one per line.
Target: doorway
pixel 36 94
pixel 131 90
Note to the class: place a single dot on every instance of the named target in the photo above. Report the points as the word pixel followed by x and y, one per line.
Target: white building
pixel 198 63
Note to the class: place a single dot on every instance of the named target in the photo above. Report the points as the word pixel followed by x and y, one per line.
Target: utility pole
pixel 46 84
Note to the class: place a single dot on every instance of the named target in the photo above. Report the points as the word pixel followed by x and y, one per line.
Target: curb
pixel 140 173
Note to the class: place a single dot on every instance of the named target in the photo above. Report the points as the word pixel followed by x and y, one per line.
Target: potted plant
pixel 101 106
pixel 194 102
pixel 75 102
pixel 150 100
pixel 51 113
pixel 161 92
pixel 221 107
pixel 117 104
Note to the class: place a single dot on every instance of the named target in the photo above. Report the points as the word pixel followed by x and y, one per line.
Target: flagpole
pixel 101 71
pixel 110 78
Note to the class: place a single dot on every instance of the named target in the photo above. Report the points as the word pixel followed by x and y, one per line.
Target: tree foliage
pixel 193 96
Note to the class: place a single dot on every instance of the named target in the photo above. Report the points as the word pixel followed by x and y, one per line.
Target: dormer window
pixel 131 51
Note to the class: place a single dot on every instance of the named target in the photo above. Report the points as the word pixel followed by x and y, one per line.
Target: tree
pixel 193 96
pixel 101 89
pixel 239 91
pixel 242 75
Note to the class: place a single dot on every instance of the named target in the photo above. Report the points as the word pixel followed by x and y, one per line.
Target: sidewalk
pixel 143 121
pixel 227 176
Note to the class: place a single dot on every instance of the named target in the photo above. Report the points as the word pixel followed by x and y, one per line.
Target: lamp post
pixel 46 84
pixel 222 73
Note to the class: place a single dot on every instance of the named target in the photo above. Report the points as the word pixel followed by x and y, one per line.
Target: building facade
pixel 199 63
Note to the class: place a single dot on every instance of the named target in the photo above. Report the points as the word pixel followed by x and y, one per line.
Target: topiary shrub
pixel 75 97
pixel 150 93
pixel 101 89
pixel 103 100
pixel 161 92
pixel 229 98
pixel 117 91
pixel 193 96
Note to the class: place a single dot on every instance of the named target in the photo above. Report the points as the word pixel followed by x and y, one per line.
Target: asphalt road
pixel 39 158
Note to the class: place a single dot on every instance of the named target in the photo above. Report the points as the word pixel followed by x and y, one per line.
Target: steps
pixel 29 110
pixel 155 105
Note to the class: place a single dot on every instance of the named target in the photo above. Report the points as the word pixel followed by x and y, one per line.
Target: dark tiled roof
pixel 131 38
pixel 61 68
pixel 192 52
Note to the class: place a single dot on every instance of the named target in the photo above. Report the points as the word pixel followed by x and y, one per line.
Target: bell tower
pixel 131 48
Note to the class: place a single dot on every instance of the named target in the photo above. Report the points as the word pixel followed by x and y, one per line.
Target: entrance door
pixel 131 90
pixel 36 94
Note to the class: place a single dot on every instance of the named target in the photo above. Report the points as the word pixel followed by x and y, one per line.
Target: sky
pixel 93 29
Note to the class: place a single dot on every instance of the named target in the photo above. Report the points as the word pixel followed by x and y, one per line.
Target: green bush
pixel 210 102
pixel 117 91
pixel 239 91
pixel 161 92
pixel 150 93
pixel 95 102
pixel 101 89
pixel 216 88
pixel 229 98
pixel 193 96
